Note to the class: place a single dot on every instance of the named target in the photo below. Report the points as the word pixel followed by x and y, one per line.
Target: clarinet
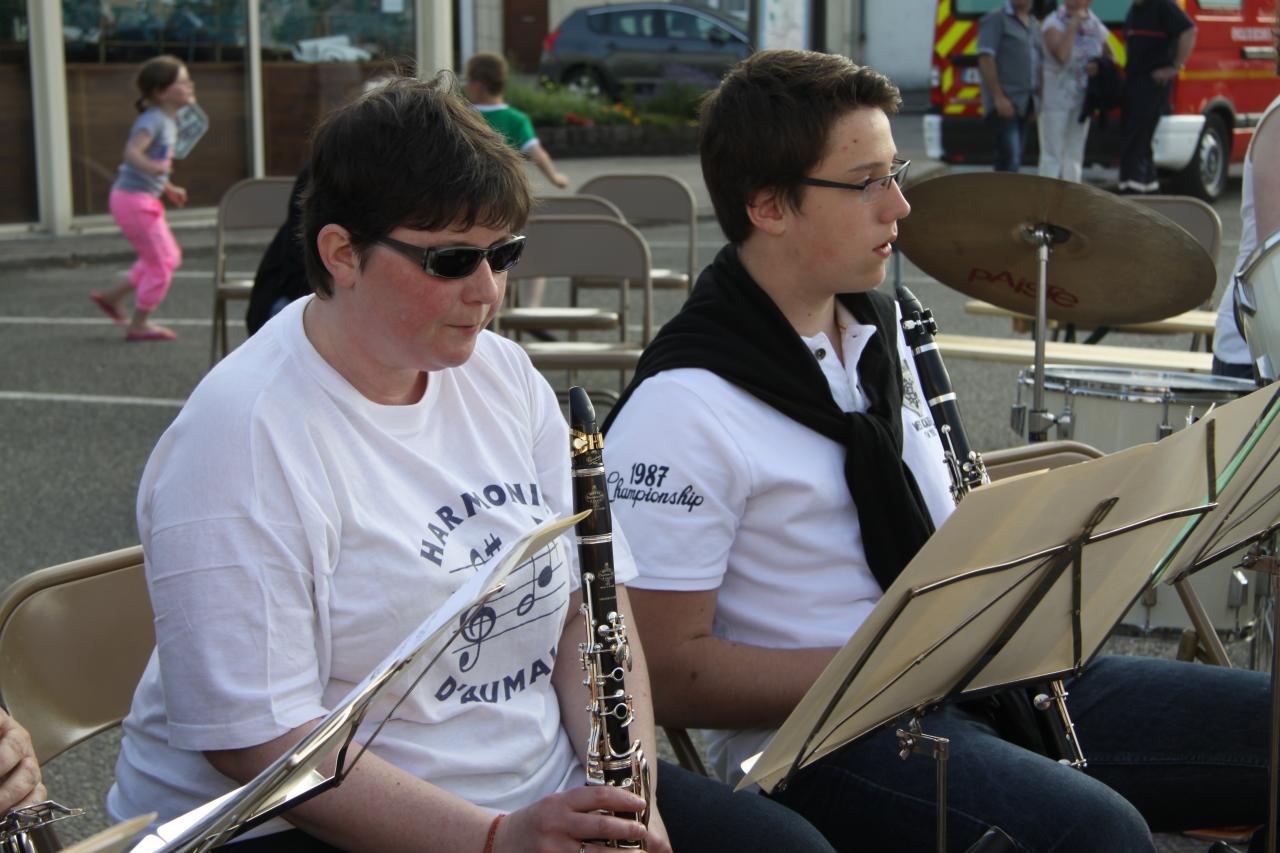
pixel 967 473
pixel 613 758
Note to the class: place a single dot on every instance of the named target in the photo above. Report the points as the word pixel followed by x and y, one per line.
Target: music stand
pixel 294 778
pixel 1022 584
pixel 1247 516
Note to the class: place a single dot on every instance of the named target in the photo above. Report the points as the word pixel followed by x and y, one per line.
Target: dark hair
pixel 155 75
pixel 768 124
pixel 489 70
pixel 413 154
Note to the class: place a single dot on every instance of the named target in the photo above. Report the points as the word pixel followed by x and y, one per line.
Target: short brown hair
pixel 155 75
pixel 768 124
pixel 412 154
pixel 489 70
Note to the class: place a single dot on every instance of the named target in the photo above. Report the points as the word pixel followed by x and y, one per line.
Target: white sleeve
pixel 678 482
pixel 236 632
pixel 237 582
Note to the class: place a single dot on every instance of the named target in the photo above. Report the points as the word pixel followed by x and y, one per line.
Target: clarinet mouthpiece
pixel 582 415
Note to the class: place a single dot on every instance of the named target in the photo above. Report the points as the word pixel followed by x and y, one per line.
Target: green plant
pixel 549 105
pixel 674 104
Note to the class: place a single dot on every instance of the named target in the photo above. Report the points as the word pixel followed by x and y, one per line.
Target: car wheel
pixel 585 81
pixel 1205 177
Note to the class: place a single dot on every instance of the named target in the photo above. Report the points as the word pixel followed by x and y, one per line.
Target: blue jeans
pixel 1010 138
pixel 1170 746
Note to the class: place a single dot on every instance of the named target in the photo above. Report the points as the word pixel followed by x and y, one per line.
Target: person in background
pixel 486 77
pixel 164 87
pixel 1158 38
pixel 1074 38
pixel 486 83
pixel 1259 219
pixel 1009 60
pixel 282 275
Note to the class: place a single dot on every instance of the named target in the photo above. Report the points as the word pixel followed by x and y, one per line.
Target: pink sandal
pixel 156 333
pixel 111 310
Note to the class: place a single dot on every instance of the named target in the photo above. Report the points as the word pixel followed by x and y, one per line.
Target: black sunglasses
pixel 459 261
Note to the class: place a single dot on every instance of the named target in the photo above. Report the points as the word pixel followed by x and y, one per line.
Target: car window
pixel 706 29
pixel 682 25
pixel 635 23
pixel 598 23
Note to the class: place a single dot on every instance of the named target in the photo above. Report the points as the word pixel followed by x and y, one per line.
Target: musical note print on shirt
pixel 533 591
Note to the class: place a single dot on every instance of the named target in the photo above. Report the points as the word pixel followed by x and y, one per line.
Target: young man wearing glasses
pixel 332 481
pixel 775 465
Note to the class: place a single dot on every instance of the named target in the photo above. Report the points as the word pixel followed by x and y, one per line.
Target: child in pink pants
pixel 165 88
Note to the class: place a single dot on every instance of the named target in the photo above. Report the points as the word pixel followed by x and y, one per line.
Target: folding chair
pixel 597 246
pixel 74 641
pixel 524 318
pixel 1199 220
pixel 253 203
pixel 649 199
pixel 575 205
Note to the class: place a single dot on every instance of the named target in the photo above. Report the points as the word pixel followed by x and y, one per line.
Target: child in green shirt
pixel 486 82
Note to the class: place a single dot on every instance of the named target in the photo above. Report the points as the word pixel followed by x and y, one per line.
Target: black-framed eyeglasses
pixel 459 261
pixel 872 188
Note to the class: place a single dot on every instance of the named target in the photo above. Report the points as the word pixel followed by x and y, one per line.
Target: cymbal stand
pixel 1262 558
pixel 911 740
pixel 1043 236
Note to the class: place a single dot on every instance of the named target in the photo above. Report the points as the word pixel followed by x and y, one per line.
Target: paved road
pixel 80 410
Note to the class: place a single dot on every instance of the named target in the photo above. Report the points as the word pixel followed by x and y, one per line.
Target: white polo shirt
pixel 718 490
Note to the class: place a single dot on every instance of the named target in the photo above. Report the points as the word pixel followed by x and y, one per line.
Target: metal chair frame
pixel 254 203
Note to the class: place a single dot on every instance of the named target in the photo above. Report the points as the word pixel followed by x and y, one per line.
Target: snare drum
pixel 1257 305
pixel 1113 408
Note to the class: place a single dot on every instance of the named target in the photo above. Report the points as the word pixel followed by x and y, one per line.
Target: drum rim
pixel 1228 388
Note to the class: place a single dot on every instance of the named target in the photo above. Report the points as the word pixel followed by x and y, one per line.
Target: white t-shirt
pixel 1228 344
pixel 721 491
pixel 295 532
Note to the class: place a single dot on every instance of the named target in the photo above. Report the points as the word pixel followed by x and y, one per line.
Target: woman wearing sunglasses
pixel 335 479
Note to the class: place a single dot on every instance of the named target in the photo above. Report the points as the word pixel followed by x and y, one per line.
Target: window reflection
pixel 106 41
pixel 17 144
pixel 316 56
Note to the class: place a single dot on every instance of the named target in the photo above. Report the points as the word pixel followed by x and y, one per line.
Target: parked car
pixel 601 49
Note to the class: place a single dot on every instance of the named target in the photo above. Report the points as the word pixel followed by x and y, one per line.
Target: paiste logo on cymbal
pixel 1023 287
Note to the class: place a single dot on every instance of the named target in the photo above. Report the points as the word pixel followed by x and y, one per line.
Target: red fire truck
pixel 1217 99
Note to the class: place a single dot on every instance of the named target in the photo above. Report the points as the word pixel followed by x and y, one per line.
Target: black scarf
pixel 732 328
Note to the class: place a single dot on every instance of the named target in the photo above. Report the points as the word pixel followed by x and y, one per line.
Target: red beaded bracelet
pixel 493 833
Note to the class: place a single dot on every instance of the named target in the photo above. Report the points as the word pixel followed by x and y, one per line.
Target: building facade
pixel 265 70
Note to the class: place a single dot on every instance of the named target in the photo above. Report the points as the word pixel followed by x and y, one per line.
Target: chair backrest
pixel 1013 461
pixel 1199 219
pixel 651 198
pixel 74 640
pixel 589 247
pixel 575 205
pixel 249 204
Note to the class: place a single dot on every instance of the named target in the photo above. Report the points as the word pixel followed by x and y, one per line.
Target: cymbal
pixel 1113 261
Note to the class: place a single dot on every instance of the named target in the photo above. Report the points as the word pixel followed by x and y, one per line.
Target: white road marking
pixel 92 399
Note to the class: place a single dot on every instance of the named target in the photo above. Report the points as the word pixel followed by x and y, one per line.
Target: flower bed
pixel 618 140
pixel 570 124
